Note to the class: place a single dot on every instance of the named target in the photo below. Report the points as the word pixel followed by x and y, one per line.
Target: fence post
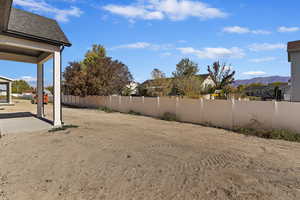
pixel 232 112
pixel 275 114
pixel 143 99
pixel 120 102
pixel 158 106
pixel 177 105
pixel 110 103
pixel 201 110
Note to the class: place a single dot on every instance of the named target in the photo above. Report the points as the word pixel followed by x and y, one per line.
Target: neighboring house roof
pixel 2 78
pixel 202 77
pixel 27 25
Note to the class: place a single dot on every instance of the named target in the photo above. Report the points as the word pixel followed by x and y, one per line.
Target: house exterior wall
pixel 208 82
pixel 295 76
pixel 8 92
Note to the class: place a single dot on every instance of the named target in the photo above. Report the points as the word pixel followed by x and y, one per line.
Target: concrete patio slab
pixel 22 123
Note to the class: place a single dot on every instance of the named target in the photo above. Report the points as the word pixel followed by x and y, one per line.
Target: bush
pixel 63 128
pixel 278 134
pixel 106 109
pixel 131 112
pixel 169 117
pixel 253 98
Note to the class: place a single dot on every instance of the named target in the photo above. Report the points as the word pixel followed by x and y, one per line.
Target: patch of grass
pixel 106 109
pixel 277 134
pixel 169 117
pixel 131 112
pixel 62 128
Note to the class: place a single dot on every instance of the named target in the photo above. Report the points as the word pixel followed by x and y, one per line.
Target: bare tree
pixel 221 75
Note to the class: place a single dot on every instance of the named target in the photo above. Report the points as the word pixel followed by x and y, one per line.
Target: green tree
pixel 186 68
pixel 278 84
pixel 92 56
pixel 50 89
pixel 157 74
pixel 20 86
pixel 185 82
pixel 221 75
pixel 160 85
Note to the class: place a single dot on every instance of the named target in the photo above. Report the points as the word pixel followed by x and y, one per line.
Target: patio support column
pixel 40 90
pixel 9 93
pixel 57 89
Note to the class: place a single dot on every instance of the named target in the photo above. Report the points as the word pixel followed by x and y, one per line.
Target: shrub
pixel 106 109
pixel 62 128
pixel 169 117
pixel 131 112
pixel 278 134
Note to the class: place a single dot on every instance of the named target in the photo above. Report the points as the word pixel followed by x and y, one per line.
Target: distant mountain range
pixel 262 80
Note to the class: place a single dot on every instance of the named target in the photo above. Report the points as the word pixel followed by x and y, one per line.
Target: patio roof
pixel 4 79
pixel 31 38
pixel 26 25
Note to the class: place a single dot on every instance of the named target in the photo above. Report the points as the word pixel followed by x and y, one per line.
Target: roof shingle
pixel 36 26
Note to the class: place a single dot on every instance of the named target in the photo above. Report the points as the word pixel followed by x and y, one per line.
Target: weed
pixel 106 109
pixel 131 112
pixel 278 134
pixel 169 117
pixel 62 128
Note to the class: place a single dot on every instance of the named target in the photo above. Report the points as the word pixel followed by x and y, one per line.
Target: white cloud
pixel 160 9
pixel 266 46
pixel 138 45
pixel 166 54
pixel 214 53
pixel 236 29
pixel 284 29
pixel 182 41
pixel 28 78
pixel 41 6
pixel 260 60
pixel 261 32
pixel 133 12
pixel 255 73
pixel 143 45
pixel 244 30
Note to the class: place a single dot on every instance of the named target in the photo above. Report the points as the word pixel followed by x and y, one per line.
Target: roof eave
pixel 35 38
pixel 7 79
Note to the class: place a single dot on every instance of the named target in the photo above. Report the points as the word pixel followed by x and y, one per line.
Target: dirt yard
pixel 124 157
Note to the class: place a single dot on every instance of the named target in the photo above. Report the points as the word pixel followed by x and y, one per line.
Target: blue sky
pixel 251 35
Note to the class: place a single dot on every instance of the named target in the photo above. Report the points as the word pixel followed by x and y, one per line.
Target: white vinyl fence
pixel 221 113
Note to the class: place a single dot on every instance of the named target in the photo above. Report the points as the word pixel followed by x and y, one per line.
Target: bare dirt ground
pixel 118 156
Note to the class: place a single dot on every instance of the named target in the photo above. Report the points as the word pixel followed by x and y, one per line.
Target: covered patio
pixel 5 96
pixel 30 38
